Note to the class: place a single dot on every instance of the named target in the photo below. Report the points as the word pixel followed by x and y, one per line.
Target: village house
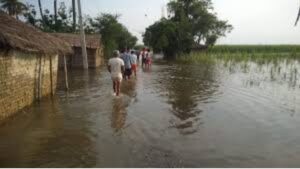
pixel 94 50
pixel 28 64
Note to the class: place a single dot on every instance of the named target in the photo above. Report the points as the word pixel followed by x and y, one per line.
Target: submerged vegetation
pixel 254 48
pixel 256 53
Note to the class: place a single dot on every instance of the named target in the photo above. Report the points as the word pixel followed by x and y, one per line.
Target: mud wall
pixel 25 78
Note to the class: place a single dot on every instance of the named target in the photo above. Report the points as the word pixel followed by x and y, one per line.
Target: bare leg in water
pixel 114 86
pixel 118 85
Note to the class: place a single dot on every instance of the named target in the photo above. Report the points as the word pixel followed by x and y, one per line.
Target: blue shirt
pixel 127 60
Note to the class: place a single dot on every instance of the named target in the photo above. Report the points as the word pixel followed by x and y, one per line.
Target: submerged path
pixel 170 116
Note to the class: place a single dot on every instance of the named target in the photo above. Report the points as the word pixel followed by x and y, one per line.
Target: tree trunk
pixel 66 73
pixel 298 16
pixel 74 15
pixel 51 76
pixel 55 12
pixel 41 11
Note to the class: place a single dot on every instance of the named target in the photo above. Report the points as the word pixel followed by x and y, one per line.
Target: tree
pixel 201 20
pixel 13 7
pixel 298 17
pixel 211 40
pixel 30 15
pixel 58 21
pixel 41 10
pixel 51 23
pixel 55 11
pixel 74 14
pixel 162 36
pixel 192 21
pixel 114 34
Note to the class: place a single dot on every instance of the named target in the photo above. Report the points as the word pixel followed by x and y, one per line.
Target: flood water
pixel 223 114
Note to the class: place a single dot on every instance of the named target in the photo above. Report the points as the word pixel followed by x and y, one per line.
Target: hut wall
pixel 95 58
pixel 19 80
pixel 99 57
pixel 77 60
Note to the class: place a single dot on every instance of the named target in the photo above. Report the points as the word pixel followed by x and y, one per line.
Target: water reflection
pixel 30 134
pixel 187 87
pixel 118 114
pixel 240 115
pixel 120 105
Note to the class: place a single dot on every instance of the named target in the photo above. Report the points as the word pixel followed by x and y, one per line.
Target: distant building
pixel 94 50
pixel 28 64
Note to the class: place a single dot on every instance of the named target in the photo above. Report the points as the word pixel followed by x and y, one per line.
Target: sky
pixel 254 21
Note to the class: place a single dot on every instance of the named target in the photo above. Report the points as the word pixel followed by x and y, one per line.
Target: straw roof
pixel 17 35
pixel 93 41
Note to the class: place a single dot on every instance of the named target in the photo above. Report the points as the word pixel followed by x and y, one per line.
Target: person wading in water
pixel 134 62
pixel 116 69
pixel 144 54
pixel 127 61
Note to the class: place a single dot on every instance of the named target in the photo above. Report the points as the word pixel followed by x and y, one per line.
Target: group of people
pixel 122 66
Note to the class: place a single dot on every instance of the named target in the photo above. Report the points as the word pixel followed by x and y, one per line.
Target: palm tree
pixel 74 15
pixel 298 17
pixel 55 11
pixel 13 7
pixel 41 11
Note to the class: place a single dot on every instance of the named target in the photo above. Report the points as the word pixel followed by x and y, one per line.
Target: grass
pixel 257 53
pixel 255 49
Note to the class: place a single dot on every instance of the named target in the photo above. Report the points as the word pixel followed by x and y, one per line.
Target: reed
pixel 238 53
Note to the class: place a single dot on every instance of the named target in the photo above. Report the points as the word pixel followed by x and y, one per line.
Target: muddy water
pixel 223 114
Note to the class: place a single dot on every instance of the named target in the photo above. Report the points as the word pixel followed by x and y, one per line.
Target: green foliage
pixel 13 7
pixel 240 53
pixel 162 36
pixel 63 22
pixel 254 49
pixel 114 34
pixel 191 22
pixel 211 40
pixel 30 15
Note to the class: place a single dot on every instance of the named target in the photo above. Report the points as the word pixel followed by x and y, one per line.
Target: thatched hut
pixel 94 50
pixel 28 64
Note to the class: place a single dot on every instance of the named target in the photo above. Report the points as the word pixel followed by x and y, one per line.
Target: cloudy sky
pixel 254 21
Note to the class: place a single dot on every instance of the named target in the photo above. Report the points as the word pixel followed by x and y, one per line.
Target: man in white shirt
pixel 116 69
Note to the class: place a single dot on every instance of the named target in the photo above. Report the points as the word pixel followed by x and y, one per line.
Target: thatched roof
pixel 92 41
pixel 17 35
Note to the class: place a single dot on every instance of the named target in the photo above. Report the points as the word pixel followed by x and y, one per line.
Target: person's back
pixel 127 60
pixel 133 58
pixel 116 66
pixel 138 55
pixel 148 58
pixel 144 54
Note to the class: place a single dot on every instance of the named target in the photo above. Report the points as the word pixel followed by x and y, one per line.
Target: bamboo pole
pixel 40 79
pixel 66 73
pixel 298 17
pixel 83 43
pixel 74 15
pixel 55 13
pixel 51 76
